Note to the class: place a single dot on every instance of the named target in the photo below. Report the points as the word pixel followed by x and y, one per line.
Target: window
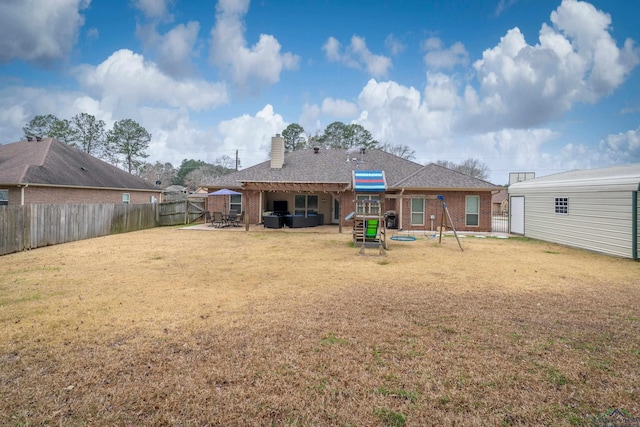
pixel 4 197
pixel 562 205
pixel 472 211
pixel 417 211
pixel 306 204
pixel 126 198
pixel 235 203
pixel 372 208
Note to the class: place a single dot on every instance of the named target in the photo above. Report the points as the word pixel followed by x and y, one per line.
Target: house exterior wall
pixel 256 202
pixel 599 221
pixel 456 204
pixel 56 195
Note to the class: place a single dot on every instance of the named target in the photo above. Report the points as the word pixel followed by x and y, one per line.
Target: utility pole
pixel 236 160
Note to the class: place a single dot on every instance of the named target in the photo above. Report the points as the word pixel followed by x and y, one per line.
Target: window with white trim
pixel 235 203
pixel 126 198
pixel 417 211
pixel 562 205
pixel 472 211
pixel 4 197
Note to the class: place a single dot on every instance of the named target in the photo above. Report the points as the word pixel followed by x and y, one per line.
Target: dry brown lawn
pixel 196 328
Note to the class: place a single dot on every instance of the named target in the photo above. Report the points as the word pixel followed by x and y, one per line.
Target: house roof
pixel 50 162
pixel 328 166
pixel 616 178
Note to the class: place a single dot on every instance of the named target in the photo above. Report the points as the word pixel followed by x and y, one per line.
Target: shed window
pixel 472 214
pixel 4 197
pixel 562 205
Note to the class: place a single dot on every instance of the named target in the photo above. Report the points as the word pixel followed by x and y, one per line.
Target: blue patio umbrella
pixel 223 192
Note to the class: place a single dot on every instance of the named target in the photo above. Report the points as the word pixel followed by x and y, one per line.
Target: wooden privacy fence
pixel 35 226
pixel 181 212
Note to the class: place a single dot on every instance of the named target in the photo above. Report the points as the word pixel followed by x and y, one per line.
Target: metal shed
pixel 593 209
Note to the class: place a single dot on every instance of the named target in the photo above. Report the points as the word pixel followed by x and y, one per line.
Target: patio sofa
pixel 301 221
pixel 273 221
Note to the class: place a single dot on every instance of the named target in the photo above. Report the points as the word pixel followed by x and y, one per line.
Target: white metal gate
pixel 516 212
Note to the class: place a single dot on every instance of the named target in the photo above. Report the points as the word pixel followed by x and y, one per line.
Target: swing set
pixel 410 235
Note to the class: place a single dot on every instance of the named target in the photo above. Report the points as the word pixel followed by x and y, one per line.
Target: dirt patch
pixel 181 327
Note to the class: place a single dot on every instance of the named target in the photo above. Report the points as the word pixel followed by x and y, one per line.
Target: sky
pixel 521 85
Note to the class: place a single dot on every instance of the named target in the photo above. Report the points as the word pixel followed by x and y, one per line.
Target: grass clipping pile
pixel 192 328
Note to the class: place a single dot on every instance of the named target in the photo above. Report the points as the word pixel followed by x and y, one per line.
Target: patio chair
pixel 239 220
pixel 207 218
pixel 233 219
pixel 218 220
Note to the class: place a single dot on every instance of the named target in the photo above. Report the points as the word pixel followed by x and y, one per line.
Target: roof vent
pixel 38 138
pixel 316 150
pixel 29 138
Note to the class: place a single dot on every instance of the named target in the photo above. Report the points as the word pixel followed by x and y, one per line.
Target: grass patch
pixel 410 396
pixel 296 329
pixel 391 418
pixel 332 339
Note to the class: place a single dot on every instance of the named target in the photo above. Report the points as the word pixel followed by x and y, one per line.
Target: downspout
pixel 22 187
pixel 634 223
pixel 401 200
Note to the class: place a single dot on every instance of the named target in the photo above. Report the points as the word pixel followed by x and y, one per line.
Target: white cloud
pixel 357 56
pixel 309 118
pixel 251 135
pixel 339 108
pixel 523 86
pixel 175 49
pixel 154 9
pixel 39 31
pixel 397 114
pixel 125 81
pixel 19 104
pixel 438 58
pixel 250 68
pixel 394 45
pixel 622 147
pixel 504 5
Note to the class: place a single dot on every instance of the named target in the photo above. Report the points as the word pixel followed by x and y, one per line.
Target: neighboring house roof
pixel 52 163
pixel 337 166
pixel 176 189
pixel 616 178
pixel 499 197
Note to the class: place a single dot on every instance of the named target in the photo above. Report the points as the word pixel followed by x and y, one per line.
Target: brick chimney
pixel 277 152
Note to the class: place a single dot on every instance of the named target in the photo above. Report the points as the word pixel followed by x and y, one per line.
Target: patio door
pixel 335 211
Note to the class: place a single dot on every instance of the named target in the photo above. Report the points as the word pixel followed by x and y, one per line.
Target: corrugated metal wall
pixel 596 221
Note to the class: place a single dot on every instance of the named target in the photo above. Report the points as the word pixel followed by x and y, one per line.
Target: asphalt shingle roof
pixel 50 162
pixel 336 166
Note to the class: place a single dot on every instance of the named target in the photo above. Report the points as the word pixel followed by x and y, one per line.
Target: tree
pixel 293 138
pixel 357 136
pixel 164 173
pixel 47 126
pixel 185 167
pixel 471 167
pixel 88 134
pixel 338 135
pixel 399 150
pixel 129 140
pixel 227 163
